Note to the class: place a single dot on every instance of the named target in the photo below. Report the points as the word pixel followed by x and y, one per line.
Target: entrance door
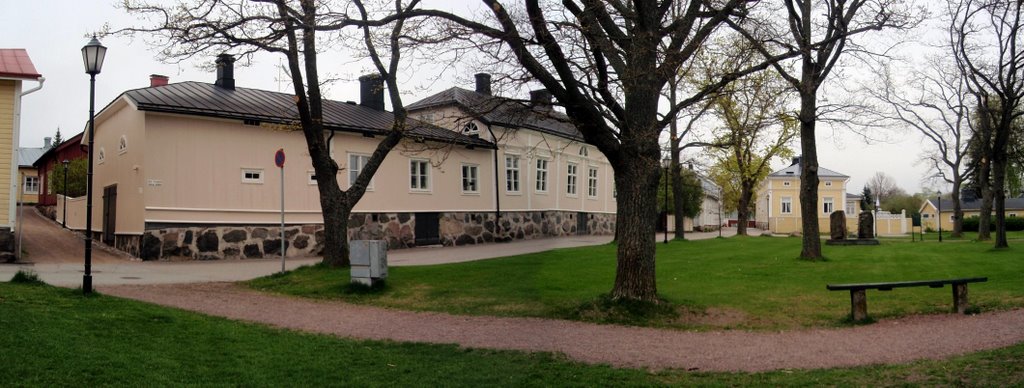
pixel 109 214
pixel 428 229
pixel 581 224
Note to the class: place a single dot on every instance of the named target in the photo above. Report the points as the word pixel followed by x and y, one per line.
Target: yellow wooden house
pixel 15 69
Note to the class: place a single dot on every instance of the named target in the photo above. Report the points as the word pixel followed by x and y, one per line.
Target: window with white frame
pixel 592 182
pixel 470 129
pixel 470 178
pixel 851 207
pixel 828 183
pixel 419 175
pixel 542 175
pixel 570 179
pixel 787 205
pixel 356 163
pixel 252 175
pixel 101 156
pixel 31 185
pixel 1012 215
pixel 827 205
pixel 583 151
pixel 512 173
pixel 122 145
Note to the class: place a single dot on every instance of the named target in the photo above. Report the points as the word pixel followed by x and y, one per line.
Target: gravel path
pixel 890 341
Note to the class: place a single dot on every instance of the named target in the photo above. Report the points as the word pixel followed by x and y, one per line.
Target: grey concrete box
pixel 369 259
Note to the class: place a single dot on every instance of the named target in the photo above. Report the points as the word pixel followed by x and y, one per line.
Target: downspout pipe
pixel 41 80
pixel 497 186
pixel 21 197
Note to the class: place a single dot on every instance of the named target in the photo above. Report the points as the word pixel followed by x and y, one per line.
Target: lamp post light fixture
pixel 93 54
pixel 64 218
pixel 938 217
pixel 667 163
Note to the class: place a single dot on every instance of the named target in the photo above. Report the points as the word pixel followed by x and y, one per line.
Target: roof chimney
pixel 540 98
pixel 796 161
pixel 225 71
pixel 157 80
pixel 371 91
pixel 483 83
pixel 46 142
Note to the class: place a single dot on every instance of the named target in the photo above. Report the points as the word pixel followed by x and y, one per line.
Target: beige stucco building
pixel 778 203
pixel 187 170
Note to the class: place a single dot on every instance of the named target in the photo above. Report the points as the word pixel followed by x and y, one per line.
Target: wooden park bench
pixel 859 300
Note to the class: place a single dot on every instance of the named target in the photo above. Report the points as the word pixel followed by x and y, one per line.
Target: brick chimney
pixel 371 91
pixel 157 80
pixel 225 71
pixel 483 83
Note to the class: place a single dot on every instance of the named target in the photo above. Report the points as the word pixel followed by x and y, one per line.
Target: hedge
pixel 1012 223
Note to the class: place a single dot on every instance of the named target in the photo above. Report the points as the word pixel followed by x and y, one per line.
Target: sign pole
pixel 279 161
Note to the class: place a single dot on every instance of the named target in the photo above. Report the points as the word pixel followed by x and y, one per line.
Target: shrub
pixel 26 277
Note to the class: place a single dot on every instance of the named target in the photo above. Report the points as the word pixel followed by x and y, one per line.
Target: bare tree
pixel 821 31
pixel 296 30
pixel 607 63
pixel 883 186
pixel 935 103
pixel 987 44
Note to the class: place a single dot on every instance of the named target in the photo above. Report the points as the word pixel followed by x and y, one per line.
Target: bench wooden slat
pixel 888 286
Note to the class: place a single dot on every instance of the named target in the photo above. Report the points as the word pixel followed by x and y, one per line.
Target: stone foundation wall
pixel 205 242
pixel 475 228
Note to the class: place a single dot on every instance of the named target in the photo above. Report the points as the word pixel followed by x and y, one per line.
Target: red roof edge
pixel 15 63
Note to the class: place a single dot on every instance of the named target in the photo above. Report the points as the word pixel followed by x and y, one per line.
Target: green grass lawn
pixel 56 337
pixel 741 282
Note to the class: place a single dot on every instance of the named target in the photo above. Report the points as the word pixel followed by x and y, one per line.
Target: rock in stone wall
pixel 458 228
pixel 463 228
pixel 229 242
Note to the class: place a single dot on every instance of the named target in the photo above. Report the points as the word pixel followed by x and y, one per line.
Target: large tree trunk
pixel 809 176
pixel 1000 161
pixel 984 177
pixel 636 181
pixel 743 208
pixel 336 213
pixel 958 212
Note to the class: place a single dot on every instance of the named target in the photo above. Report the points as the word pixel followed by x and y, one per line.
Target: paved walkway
pixel 904 340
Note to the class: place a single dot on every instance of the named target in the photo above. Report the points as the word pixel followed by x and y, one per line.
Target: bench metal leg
pixel 859 304
pixel 960 297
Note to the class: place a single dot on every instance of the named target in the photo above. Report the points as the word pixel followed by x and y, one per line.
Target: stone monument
pixel 837 224
pixel 865 225
pixel 865 230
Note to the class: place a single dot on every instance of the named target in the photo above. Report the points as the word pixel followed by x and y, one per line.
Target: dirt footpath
pixel 890 341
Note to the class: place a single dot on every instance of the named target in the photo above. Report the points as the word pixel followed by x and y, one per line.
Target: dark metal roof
pixel 975 205
pixel 203 99
pixel 502 111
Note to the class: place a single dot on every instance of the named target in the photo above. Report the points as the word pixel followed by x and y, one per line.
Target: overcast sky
pixel 54 31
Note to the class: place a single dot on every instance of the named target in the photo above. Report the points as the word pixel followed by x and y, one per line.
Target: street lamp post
pixel 667 163
pixel 64 218
pixel 938 217
pixel 93 54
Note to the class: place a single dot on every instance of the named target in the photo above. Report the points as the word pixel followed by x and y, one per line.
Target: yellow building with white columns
pixel 778 199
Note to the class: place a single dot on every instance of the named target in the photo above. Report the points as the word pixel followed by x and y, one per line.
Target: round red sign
pixel 279 158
